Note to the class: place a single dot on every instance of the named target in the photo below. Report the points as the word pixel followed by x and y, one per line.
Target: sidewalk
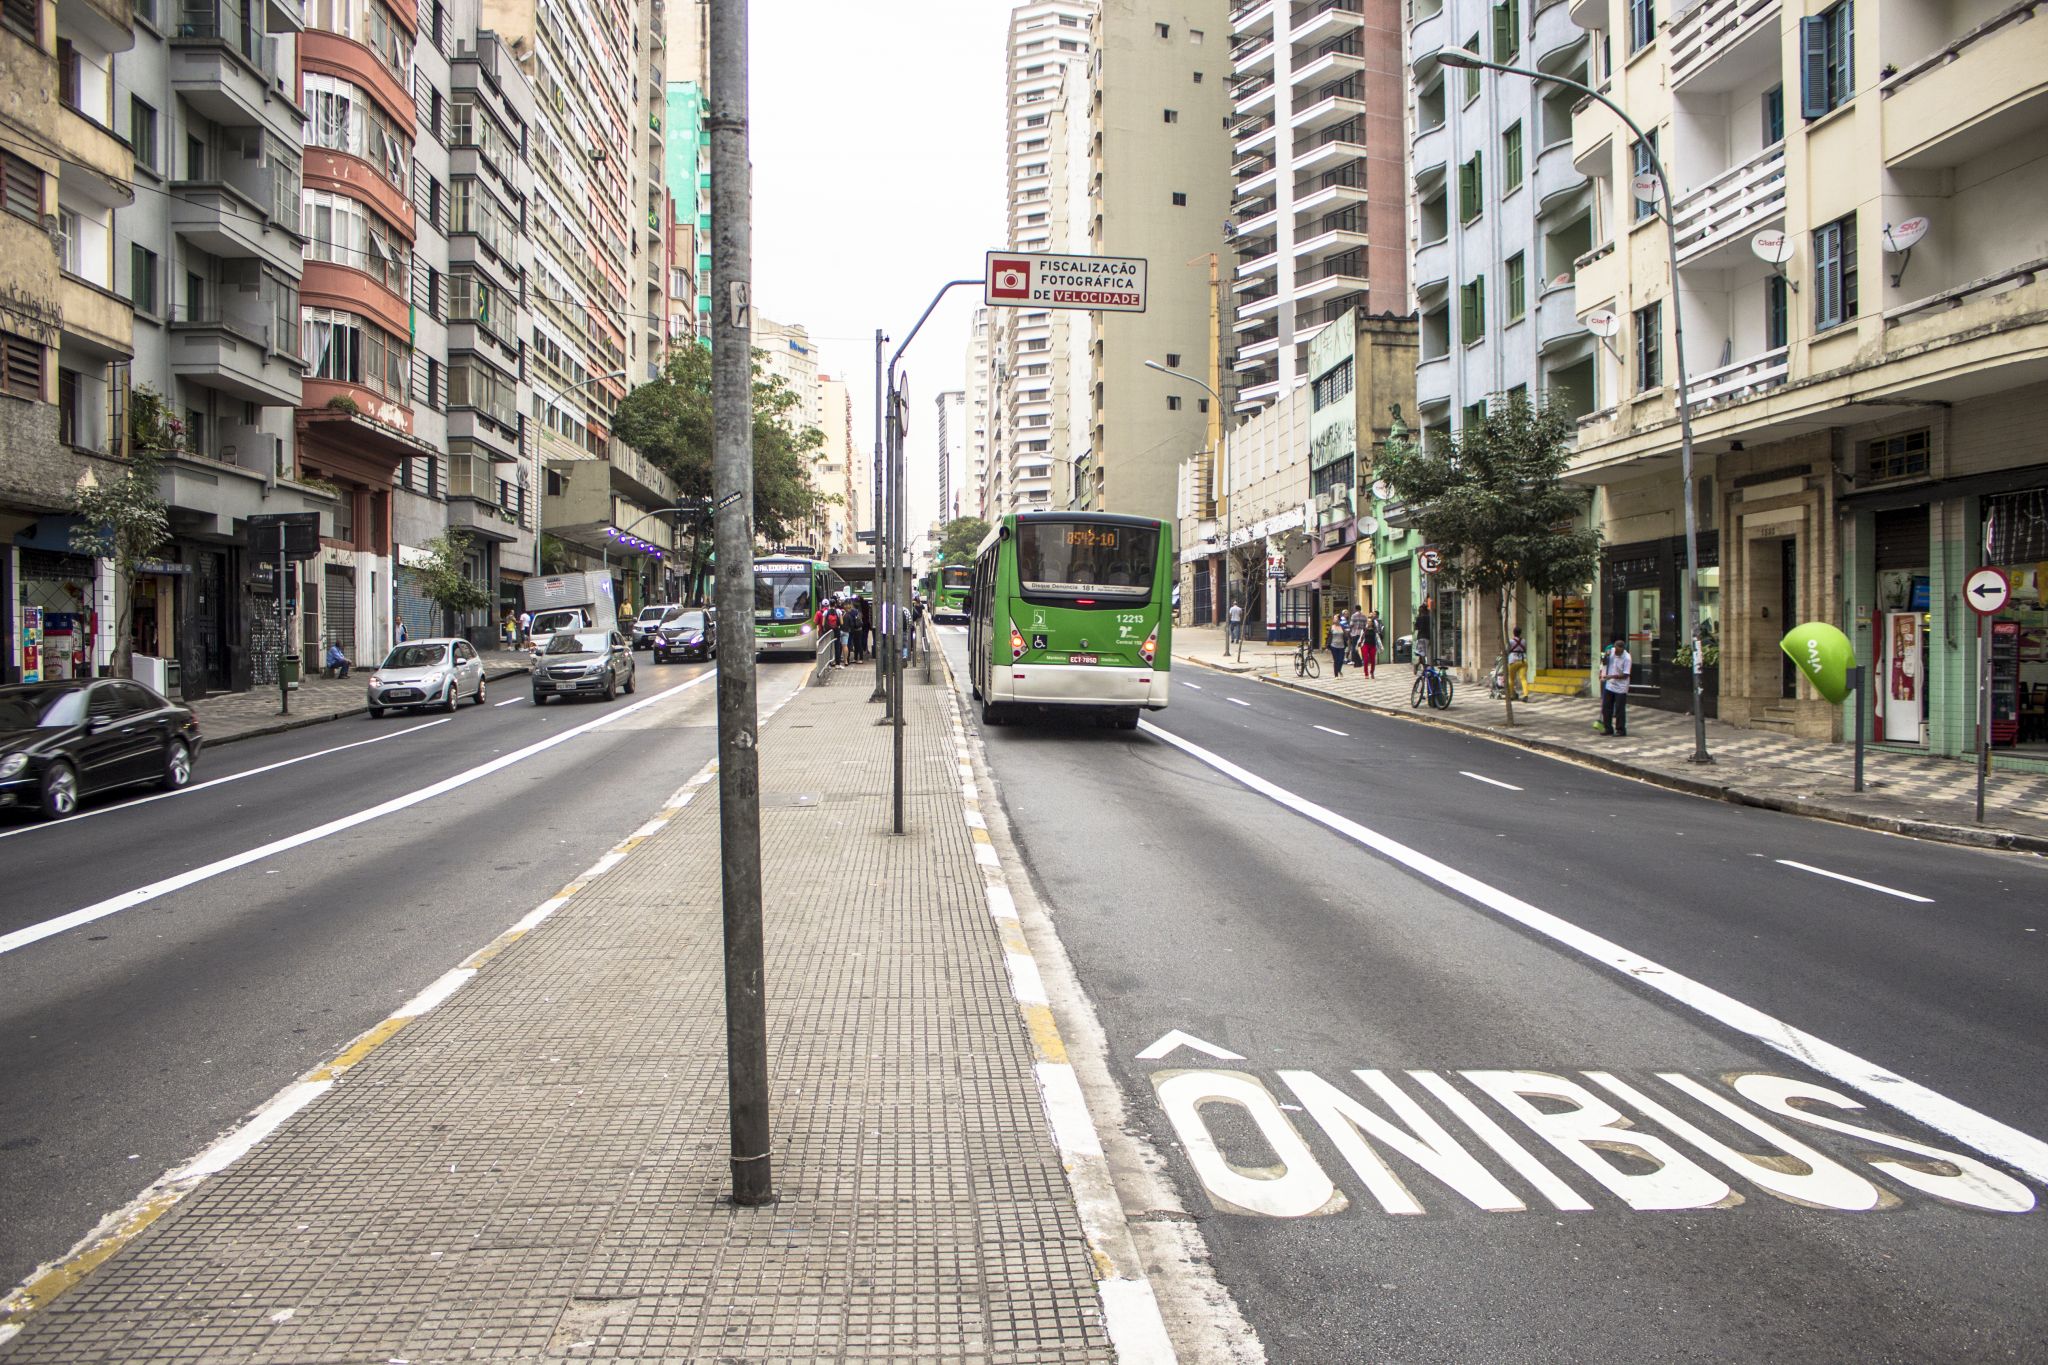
pixel 228 716
pixel 1912 794
pixel 534 1169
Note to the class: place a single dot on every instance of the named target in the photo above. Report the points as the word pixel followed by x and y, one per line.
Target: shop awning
pixel 1319 567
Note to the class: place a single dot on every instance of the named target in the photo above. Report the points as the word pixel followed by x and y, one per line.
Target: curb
pixel 1934 831
pixel 1131 1312
pixel 301 722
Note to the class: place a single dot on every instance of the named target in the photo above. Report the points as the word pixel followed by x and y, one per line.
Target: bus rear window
pixel 1087 559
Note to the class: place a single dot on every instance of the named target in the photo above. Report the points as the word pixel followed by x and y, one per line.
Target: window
pixel 1897 457
pixel 1180 200
pixel 346 231
pixel 1198 78
pixel 1173 402
pixel 142 133
pixel 1507 30
pixel 1195 37
pixel 1471 189
pixel 1642 159
pixel 21 187
pixel 1165 31
pixel 68 404
pixel 1511 160
pixel 24 17
pixel 1172 115
pixel 1472 72
pixel 142 278
pixel 1774 115
pixel 1777 317
pixel 342 118
pixel 1335 385
pixel 1201 405
pixel 1472 310
pixel 195 158
pixel 473 126
pixel 1642 24
pixel 473 384
pixel 1474 416
pixel 1827 65
pixel 1834 273
pixel 1518 397
pixel 69 248
pixel 354 350
pixel 1173 360
pixel 1649 347
pixel 21 367
pixel 1517 286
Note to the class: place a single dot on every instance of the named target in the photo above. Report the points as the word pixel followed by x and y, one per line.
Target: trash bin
pixel 1404 649
pixel 288 670
pixel 174 680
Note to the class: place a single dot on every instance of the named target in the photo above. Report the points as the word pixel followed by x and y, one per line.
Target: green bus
pixel 1071 609
pixel 946 588
pixel 788 590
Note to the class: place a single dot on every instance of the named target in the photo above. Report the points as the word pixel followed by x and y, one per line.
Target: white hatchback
pixel 423 673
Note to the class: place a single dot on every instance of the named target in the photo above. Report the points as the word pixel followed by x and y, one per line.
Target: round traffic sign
pixel 1987 590
pixel 1429 560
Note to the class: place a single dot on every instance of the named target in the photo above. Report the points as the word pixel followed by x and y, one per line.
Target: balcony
pixel 1431 150
pixel 1329 105
pixel 1335 60
pixel 1551 32
pixel 1590 15
pixel 1252 135
pixel 1331 190
pixel 222 221
pixel 1721 44
pixel 1252 54
pixel 1557 319
pixel 1327 19
pixel 1433 382
pixel 1429 35
pixel 1251 16
pixel 1338 275
pixel 1258 174
pixel 1432 267
pixel 1732 383
pixel 1715 222
pixel 1988 88
pixel 1555 181
pixel 1257 217
pixel 1343 230
pixel 1330 150
pixel 95 318
pixel 229 72
pixel 1264 263
pixel 286 16
pixel 1254 96
pixel 234 355
pixel 1256 309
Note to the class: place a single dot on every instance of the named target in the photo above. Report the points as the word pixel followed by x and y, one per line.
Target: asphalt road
pixel 1564 988
pixel 127 1043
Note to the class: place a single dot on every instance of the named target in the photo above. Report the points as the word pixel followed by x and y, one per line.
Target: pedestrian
pixel 1236 615
pixel 1340 628
pixel 1354 638
pixel 1518 667
pixel 1615 667
pixel 1422 629
pixel 1369 646
pixel 336 661
pixel 848 615
pixel 526 629
pixel 401 632
pixel 831 624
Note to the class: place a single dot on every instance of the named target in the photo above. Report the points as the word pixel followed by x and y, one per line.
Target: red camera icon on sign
pixel 1009 279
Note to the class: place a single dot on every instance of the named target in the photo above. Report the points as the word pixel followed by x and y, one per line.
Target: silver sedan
pixel 423 673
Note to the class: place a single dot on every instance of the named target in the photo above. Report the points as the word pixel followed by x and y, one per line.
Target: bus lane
pixel 1412 1128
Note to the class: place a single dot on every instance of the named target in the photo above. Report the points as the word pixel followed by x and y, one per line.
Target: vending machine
pixel 1902 682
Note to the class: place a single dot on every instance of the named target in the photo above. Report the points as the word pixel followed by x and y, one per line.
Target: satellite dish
pixel 1772 246
pixel 1368 526
pixel 1644 187
pixel 1903 236
pixel 1382 490
pixel 1602 322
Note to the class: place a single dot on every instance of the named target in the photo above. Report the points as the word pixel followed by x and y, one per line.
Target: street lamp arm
pixel 1178 374
pixel 1460 60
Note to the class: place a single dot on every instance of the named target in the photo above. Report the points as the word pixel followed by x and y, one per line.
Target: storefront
pixel 2015 532
pixel 1641 586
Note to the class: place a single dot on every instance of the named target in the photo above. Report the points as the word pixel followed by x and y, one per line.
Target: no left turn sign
pixel 1987 590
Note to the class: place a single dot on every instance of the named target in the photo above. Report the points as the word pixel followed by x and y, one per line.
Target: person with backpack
pixel 829 622
pixel 1369 646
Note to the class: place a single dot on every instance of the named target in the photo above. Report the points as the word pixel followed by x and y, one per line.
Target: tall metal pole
pixel 899 411
pixel 1690 591
pixel 732 482
pixel 875 595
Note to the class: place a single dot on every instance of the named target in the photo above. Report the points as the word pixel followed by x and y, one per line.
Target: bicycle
pixel 1433 684
pixel 1307 661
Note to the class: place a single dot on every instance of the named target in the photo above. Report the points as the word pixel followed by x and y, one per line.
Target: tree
pixel 669 421
pixel 960 538
pixel 1491 500
pixel 444 575
pixel 125 519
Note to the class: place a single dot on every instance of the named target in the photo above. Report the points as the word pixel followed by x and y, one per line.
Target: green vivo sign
pixel 1824 655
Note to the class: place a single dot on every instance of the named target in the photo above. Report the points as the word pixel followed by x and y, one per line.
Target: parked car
pixel 647 622
pixel 686 633
pixel 423 673
pixel 62 741
pixel 583 663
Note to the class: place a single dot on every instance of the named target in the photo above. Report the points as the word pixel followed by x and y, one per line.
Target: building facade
pixel 950 442
pixel 1862 399
pixel 980 406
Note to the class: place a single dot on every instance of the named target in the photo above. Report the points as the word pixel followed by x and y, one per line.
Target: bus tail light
pixel 1151 646
pixel 1016 645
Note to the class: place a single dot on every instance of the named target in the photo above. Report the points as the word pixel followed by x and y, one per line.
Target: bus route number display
pixel 1092 537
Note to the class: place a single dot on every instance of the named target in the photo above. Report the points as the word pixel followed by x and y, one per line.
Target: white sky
pixel 878 176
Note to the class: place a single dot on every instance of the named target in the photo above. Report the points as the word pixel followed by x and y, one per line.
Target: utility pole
pixel 875 599
pixel 732 483
pixel 899 413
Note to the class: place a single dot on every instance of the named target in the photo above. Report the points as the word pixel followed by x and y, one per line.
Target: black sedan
pixel 686 633
pixel 61 741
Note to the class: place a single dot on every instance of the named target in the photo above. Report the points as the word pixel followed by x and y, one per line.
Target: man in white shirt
pixel 1236 615
pixel 1615 668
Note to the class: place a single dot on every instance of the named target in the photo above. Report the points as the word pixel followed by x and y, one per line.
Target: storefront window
pixel 2016 529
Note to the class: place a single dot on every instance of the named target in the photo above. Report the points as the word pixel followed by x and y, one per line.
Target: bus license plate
pixel 1084 658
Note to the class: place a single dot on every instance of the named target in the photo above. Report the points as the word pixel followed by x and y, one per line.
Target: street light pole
pixel 1229 500
pixel 1459 59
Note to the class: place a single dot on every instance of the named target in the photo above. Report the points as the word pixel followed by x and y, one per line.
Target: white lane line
pixel 113 905
pixel 514 701
pixel 231 777
pixel 2025 1153
pixel 1858 881
pixel 1192 686
pixel 1328 731
pixel 1491 782
pixel 1237 701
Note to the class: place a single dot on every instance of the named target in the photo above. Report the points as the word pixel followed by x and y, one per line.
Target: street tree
pixel 960 538
pixel 445 580
pixel 1492 500
pixel 124 518
pixel 668 420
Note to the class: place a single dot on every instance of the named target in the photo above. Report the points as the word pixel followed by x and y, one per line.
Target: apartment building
pixel 1317 157
pixel 950 441
pixel 687 150
pixel 979 372
pixel 1499 220
pixel 1159 187
pixel 1860 230
pixel 839 471
pixel 66 327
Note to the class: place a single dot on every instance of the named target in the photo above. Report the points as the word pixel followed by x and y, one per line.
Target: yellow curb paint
pixel 980 836
pixel 356 1051
pixel 1045 1034
pixel 40 1291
